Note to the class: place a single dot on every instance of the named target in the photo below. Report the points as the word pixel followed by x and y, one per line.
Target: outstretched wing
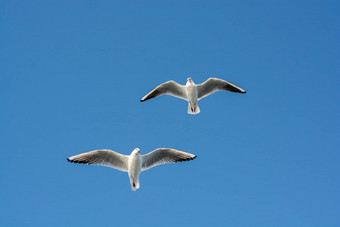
pixel 213 84
pixel 168 88
pixel 163 156
pixel 107 158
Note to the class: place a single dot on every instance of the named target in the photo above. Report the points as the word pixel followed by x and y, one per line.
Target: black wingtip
pixel 142 100
pixel 244 92
pixel 188 159
pixel 192 158
pixel 71 161
pixel 77 161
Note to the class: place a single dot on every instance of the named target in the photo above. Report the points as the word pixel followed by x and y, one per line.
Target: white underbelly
pixel 192 93
pixel 135 166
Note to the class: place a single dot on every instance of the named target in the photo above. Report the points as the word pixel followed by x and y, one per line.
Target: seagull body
pixel 192 92
pixel 134 163
pixel 135 168
pixel 192 96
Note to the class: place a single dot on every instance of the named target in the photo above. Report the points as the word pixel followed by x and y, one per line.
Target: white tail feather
pixel 193 109
pixel 134 185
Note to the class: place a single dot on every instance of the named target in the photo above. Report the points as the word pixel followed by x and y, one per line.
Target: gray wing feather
pixel 168 88
pixel 213 84
pixel 107 158
pixel 163 156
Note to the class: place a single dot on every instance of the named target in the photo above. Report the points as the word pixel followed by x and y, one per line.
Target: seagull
pixel 133 163
pixel 192 92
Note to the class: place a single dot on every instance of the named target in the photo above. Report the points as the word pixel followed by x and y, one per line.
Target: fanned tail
pixel 134 184
pixel 193 108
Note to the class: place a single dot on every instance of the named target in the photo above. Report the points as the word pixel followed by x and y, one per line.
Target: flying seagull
pixel 133 163
pixel 192 92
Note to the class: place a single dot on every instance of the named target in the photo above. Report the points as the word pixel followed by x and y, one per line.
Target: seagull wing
pixel 107 158
pixel 213 84
pixel 163 156
pixel 168 88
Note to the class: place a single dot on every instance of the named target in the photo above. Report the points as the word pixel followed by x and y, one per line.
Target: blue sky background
pixel 73 72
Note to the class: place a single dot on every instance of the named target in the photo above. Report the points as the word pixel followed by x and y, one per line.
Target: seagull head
pixel 189 81
pixel 136 150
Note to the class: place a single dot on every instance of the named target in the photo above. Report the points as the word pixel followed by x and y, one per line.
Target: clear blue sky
pixel 73 72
